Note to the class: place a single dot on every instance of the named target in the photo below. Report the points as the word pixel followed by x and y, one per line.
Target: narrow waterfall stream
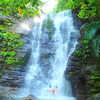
pixel 53 42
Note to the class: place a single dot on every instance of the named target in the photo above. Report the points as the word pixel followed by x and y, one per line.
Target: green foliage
pixel 87 49
pixel 10 42
pixel 77 52
pixel 61 6
pixel 84 53
pixel 94 81
pixel 91 41
pixel 91 30
pixel 93 90
pixel 72 4
pixel 20 8
pixel 87 8
pixel 85 11
pixel 93 36
pixel 71 73
pixel 96 46
pixel 11 60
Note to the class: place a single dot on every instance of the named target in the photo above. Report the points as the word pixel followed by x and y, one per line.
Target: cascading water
pixel 53 42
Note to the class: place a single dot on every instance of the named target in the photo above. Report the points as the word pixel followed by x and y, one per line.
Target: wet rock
pixel 25 52
pixel 13 78
pixel 14 75
pixel 6 92
pixel 24 56
pixel 91 68
pixel 29 97
pixel 4 96
pixel 79 72
pixel 1 60
pixel 0 38
pixel 77 77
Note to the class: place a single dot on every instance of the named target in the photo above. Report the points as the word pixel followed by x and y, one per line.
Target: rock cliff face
pixel 30 97
pixel 80 71
pixel 12 79
pixel 14 76
pixel 78 76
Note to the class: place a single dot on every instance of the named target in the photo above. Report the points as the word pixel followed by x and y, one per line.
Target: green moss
pixel 93 90
pixel 46 57
pixel 71 73
pixel 49 25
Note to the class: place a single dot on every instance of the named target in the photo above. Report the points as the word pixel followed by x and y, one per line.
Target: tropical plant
pixel 87 9
pixel 93 36
pixel 9 43
pixel 91 30
pixel 20 8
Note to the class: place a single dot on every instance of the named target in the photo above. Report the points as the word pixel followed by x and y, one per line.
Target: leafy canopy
pixel 20 8
pixel 86 8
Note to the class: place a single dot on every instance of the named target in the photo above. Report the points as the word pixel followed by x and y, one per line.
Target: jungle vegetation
pixel 10 41
pixel 88 11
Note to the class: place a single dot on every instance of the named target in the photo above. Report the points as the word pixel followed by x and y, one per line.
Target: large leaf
pixel 91 30
pixel 96 46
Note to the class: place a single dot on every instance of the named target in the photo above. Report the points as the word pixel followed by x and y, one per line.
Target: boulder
pixel 29 97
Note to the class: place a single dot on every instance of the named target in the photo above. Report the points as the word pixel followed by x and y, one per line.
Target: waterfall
pixel 53 42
